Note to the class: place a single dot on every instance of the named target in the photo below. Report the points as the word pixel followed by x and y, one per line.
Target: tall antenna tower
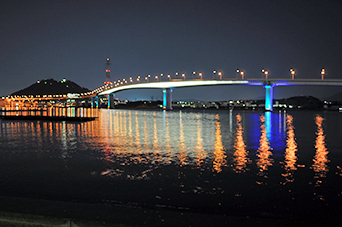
pixel 108 81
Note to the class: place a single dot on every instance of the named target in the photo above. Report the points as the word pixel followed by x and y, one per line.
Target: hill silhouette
pixel 51 87
pixel 303 102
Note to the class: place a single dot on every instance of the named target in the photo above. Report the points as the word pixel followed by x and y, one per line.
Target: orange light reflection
pixel 263 153
pixel 219 154
pixel 182 156
pixel 290 152
pixel 240 156
pixel 200 153
pixel 321 157
pixel 167 159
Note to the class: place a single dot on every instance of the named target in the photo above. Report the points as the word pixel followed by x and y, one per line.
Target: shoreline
pixel 21 211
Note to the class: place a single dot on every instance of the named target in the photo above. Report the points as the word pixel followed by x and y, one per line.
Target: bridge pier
pixel 95 102
pixel 77 103
pixel 110 101
pixel 167 99
pixel 268 97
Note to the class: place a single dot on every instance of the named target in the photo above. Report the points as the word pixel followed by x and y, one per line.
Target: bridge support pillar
pixel 95 102
pixel 77 103
pixel 268 97
pixel 110 101
pixel 167 99
pixel 92 102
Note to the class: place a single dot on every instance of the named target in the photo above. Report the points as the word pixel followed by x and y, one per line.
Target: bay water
pixel 285 164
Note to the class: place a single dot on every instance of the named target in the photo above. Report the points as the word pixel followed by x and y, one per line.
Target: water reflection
pixel 290 152
pixel 264 150
pixel 321 157
pixel 155 141
pixel 183 139
pixel 49 111
pixel 168 151
pixel 219 153
pixel 240 155
pixel 138 146
pixel 200 153
pixel 130 129
pixel 182 156
pixel 268 124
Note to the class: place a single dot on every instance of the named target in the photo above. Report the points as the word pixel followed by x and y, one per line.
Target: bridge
pixel 168 86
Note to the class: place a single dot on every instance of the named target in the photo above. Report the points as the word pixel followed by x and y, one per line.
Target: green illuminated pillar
pixel 268 97
pixel 167 99
pixel 110 101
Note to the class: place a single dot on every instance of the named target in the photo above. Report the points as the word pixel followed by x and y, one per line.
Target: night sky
pixel 72 39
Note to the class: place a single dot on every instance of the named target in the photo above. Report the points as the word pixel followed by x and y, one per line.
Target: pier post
pixel 268 97
pixel 167 99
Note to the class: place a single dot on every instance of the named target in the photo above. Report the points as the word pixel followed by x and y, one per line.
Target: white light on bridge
pixel 173 84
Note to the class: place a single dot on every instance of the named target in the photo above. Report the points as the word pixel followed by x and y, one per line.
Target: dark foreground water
pixel 229 163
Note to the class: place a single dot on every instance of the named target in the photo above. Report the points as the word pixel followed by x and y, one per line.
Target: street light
pixel 265 72
pixel 183 75
pixel 237 73
pixel 220 74
pixel 214 74
pixel 156 77
pixel 169 76
pixel 242 74
pixel 292 73
pixel 200 74
pixel 322 73
pixel 193 74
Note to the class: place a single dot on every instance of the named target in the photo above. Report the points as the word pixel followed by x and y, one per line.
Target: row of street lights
pixel 293 72
pixel 200 74
pixel 159 78
pixel 183 77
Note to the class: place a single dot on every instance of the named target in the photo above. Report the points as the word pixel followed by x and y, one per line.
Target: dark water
pixel 280 164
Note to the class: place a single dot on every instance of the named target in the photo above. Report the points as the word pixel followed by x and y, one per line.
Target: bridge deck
pixel 202 82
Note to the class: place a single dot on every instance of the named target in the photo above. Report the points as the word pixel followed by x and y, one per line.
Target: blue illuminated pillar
pixel 269 97
pixel 92 102
pixel 97 101
pixel 167 99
